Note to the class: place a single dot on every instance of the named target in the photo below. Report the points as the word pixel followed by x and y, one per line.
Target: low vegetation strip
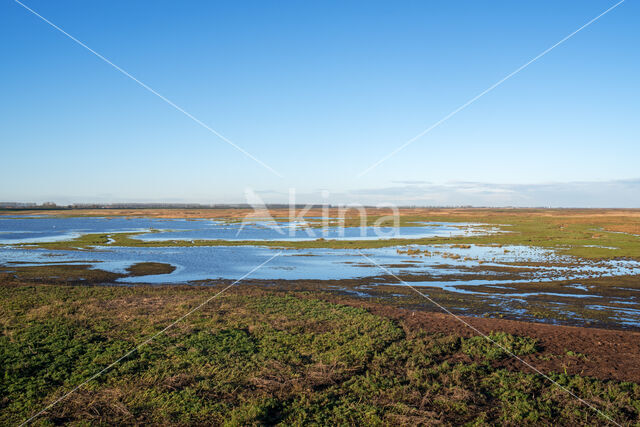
pixel 265 357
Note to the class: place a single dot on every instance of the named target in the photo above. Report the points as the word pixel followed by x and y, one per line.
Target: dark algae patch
pixel 149 268
pixel 77 273
pixel 255 356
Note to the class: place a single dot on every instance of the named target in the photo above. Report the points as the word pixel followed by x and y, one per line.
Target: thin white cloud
pixel 620 193
pixel 411 182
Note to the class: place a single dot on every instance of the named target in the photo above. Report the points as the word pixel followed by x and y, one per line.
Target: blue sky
pixel 319 91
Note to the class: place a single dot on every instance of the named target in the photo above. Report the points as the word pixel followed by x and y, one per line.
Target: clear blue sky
pixel 320 91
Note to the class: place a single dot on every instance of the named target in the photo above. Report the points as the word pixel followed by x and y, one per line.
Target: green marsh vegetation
pixel 260 357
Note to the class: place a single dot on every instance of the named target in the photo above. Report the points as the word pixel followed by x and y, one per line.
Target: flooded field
pixel 479 279
pixel 37 229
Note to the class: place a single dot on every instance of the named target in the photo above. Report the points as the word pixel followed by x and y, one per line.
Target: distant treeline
pixel 50 206
pixel 54 206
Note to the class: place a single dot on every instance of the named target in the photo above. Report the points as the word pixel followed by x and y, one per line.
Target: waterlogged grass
pixel 264 358
pixel 586 235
